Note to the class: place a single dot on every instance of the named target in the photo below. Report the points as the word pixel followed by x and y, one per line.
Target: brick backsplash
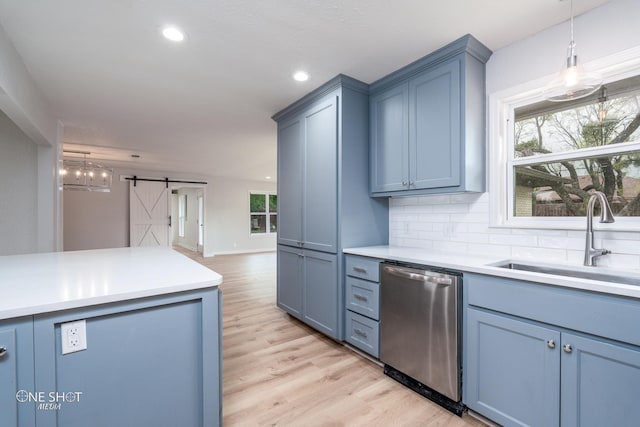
pixel 460 223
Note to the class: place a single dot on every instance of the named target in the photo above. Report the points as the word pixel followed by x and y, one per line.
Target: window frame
pixel 267 213
pixel 500 163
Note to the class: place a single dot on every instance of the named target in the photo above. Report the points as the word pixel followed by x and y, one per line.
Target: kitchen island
pixel 150 321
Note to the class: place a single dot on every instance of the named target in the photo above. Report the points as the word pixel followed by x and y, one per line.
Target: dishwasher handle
pixel 437 278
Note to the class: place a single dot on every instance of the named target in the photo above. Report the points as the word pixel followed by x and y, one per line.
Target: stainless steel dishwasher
pixel 420 331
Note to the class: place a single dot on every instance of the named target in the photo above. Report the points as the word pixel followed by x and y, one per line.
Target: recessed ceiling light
pixel 173 34
pixel 301 76
pixel 267 177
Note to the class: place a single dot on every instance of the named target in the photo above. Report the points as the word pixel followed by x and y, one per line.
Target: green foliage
pixel 257 202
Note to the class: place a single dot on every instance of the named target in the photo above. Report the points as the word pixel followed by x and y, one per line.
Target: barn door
pixel 149 214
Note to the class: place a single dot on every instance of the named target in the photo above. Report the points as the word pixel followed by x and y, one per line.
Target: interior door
pixel 149 214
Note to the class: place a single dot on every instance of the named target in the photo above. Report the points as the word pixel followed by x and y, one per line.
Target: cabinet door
pixel 148 362
pixel 320 195
pixel 389 149
pixel 17 408
pixel 434 128
pixel 290 176
pixel 290 280
pixel 513 370
pixel 321 292
pixel 600 383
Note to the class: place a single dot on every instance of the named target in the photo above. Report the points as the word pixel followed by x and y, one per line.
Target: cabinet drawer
pixel 363 333
pixel 363 268
pixel 363 297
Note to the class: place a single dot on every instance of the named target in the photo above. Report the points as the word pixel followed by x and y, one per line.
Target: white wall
pixel 18 190
pixel 101 220
pixel 461 222
pixel 227 218
pixel 94 220
pixel 23 106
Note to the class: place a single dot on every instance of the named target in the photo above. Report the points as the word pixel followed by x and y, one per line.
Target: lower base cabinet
pixel 307 287
pixel 513 370
pixel 521 371
pixel 151 361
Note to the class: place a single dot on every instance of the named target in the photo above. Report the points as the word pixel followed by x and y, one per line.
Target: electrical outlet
pixel 73 336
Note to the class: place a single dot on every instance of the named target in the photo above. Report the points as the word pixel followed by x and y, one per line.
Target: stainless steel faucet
pixel 606 216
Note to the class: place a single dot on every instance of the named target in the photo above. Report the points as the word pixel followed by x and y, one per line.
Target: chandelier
pixel 84 175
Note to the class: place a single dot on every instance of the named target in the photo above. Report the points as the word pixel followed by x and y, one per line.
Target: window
pixel 263 209
pixel 562 152
pixel 547 158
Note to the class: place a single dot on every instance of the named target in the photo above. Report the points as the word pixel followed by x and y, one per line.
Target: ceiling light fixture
pixel 173 34
pixel 573 82
pixel 301 76
pixel 83 175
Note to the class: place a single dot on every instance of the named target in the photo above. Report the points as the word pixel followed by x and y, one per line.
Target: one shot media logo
pixel 48 401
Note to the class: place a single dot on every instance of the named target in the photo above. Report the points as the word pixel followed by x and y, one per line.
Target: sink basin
pixel 591 274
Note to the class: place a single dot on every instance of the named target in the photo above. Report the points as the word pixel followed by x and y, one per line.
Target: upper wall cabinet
pixel 427 124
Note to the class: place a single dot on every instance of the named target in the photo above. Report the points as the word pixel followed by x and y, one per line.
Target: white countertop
pixel 45 282
pixel 482 265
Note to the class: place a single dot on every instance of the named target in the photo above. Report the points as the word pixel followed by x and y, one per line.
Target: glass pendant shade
pixel 573 82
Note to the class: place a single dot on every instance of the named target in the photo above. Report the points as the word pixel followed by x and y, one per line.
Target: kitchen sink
pixel 590 274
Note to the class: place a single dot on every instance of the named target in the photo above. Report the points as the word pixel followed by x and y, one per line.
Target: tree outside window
pixel 563 152
pixel 263 209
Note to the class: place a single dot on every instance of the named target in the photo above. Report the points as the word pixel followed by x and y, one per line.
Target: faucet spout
pixel 606 216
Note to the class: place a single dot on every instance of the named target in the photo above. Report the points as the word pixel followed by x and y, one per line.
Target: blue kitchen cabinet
pixel 514 367
pixel 324 203
pixel 307 287
pixel 149 361
pixel 321 291
pixel 428 124
pixel 320 191
pixel 389 136
pixel 290 181
pixel 362 308
pixel 600 382
pixel 16 372
pixel 543 355
pixel 289 286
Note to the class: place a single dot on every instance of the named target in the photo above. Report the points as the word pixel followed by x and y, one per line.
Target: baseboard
pixel 239 252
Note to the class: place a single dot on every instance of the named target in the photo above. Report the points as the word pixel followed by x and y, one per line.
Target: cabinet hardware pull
pixel 3 352
pixel 404 183
pixel 360 270
pixel 360 297
pixel 360 333
pixel 567 348
pixel 551 344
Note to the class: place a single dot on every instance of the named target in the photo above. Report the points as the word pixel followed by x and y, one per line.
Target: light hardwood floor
pixel 279 372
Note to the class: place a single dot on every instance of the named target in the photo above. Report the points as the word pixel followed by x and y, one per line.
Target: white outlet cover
pixel 73 336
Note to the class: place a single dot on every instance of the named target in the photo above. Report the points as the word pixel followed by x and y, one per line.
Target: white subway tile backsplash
pixel 510 239
pixel 460 223
pixel 539 254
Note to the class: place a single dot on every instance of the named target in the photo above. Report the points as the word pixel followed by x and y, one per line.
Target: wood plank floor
pixel 279 372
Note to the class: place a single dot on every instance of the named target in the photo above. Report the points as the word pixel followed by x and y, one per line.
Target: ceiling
pixel 203 106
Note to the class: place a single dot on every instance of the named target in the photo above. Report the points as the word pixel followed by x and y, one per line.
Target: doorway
pixel 188 217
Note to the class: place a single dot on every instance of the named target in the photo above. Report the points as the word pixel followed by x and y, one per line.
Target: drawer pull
pixel 567 348
pixel 360 297
pixel 360 333
pixel 3 352
pixel 360 270
pixel 551 344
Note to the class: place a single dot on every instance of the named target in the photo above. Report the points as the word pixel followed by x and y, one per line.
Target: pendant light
pixel 573 82
pixel 85 175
